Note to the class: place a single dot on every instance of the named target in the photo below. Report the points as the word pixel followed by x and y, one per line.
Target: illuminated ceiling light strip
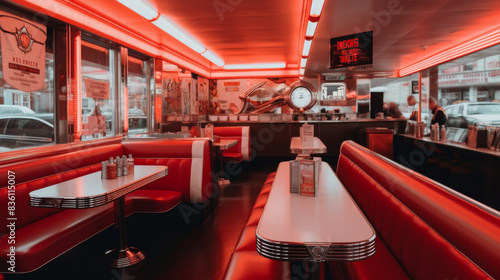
pixel 213 58
pixel 303 62
pixel 311 28
pixel 316 7
pixel 256 66
pixel 302 71
pixel 167 26
pixel 481 42
pixel 307 48
pixel 145 10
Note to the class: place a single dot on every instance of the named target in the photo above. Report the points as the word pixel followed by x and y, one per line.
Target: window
pixel 451 110
pixel 460 110
pixel 16 104
pixel 138 101
pixel 99 107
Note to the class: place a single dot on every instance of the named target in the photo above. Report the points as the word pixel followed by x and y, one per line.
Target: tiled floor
pixel 176 247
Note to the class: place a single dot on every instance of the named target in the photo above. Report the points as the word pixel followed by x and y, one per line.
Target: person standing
pixel 438 113
pixel 394 111
pixel 414 111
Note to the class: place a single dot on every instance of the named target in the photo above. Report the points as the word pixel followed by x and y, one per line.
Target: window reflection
pixel 27 118
pixel 98 98
pixel 137 84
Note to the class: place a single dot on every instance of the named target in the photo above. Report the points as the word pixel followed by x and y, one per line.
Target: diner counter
pixel 462 146
pixel 474 172
pixel 267 137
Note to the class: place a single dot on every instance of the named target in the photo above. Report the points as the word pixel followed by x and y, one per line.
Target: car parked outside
pixel 15 110
pixel 25 130
pixel 480 114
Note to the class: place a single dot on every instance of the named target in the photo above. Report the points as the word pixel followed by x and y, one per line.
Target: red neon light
pixel 255 74
pixel 478 43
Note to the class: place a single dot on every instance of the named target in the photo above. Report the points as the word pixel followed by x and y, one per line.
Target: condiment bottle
pixel 124 165
pixel 443 133
pixel 130 164
pixel 118 166
pixel 104 171
pixel 111 169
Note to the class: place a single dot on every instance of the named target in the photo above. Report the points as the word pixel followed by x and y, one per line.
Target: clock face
pixel 301 97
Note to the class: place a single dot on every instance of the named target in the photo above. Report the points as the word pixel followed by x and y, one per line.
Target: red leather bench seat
pixel 246 262
pixel 403 207
pixel 42 234
pixel 242 150
pixel 188 161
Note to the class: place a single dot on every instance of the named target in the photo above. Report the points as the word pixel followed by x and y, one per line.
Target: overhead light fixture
pixel 307 48
pixel 213 58
pixel 480 42
pixel 303 62
pixel 142 8
pixel 167 26
pixel 145 10
pixel 302 71
pixel 256 66
pixel 316 7
pixel 311 28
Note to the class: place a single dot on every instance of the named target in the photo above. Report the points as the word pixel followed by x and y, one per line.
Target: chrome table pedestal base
pixel 124 258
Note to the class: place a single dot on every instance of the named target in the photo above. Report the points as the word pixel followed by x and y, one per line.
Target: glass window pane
pixel 98 97
pixel 18 108
pixel 137 84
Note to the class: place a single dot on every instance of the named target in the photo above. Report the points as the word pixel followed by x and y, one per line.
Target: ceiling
pixel 264 31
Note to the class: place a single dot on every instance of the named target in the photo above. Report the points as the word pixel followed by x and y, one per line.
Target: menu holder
pixel 307 135
pixel 304 176
pixel 209 130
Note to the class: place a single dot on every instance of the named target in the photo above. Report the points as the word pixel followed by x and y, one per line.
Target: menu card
pixel 307 135
pixel 304 176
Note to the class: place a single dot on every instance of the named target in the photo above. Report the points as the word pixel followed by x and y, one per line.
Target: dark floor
pixel 175 244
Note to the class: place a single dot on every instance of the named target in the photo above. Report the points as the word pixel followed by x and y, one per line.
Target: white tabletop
pixel 297 148
pixel 91 191
pixel 225 144
pixel 332 218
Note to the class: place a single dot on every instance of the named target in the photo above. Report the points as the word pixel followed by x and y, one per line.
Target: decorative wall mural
pixel 254 96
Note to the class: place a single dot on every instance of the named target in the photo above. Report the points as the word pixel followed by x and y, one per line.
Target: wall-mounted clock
pixel 301 96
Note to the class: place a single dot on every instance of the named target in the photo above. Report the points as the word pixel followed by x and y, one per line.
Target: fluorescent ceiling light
pixel 303 62
pixel 143 9
pixel 311 28
pixel 169 27
pixel 302 71
pixel 256 66
pixel 307 48
pixel 316 7
pixel 213 58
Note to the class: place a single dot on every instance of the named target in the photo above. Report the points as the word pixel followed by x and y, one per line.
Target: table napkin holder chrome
pixel 304 176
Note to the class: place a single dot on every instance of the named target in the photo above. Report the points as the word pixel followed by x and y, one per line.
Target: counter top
pixel 455 145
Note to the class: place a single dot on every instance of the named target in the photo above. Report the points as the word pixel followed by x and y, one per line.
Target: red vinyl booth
pixel 43 234
pixel 424 230
pixel 242 150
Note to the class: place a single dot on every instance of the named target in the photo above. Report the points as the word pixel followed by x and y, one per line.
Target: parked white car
pixel 474 113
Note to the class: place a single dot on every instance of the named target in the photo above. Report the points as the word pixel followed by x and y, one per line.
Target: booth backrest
pixel 240 133
pixel 24 213
pixel 471 228
pixel 189 165
pixel 32 169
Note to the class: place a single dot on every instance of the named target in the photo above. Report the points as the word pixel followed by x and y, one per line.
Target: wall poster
pixel 23 52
